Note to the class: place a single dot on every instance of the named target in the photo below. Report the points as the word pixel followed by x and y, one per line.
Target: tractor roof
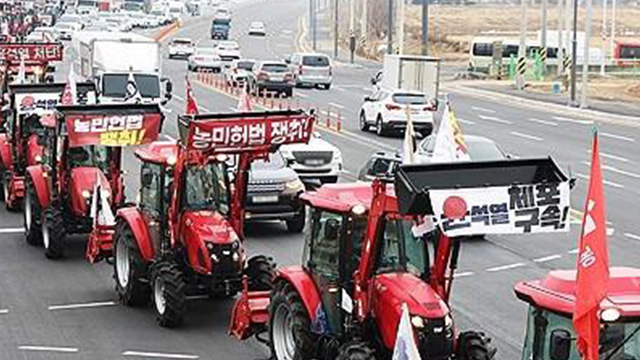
pixel 158 152
pixel 556 292
pixel 343 197
pixel 49 87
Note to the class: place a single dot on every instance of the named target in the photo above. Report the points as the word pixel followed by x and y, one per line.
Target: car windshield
pixel 115 85
pixel 319 61
pixel 206 187
pixel 181 42
pixel 89 156
pixel 410 99
pixel 245 65
pixel 400 250
pixel 484 150
pixel 275 68
pixel 275 162
pixel 257 25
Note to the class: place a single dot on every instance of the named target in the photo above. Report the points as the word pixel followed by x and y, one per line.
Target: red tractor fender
pixel 306 288
pixel 38 176
pixel 138 227
pixel 5 152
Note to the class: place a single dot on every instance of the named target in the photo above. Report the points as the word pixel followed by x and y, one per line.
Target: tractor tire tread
pixel 305 341
pixel 359 350
pixel 55 221
pixel 475 346
pixel 33 235
pixel 260 270
pixel 138 293
pixel 175 294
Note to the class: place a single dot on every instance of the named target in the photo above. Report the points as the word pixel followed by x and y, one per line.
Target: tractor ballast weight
pixel 357 309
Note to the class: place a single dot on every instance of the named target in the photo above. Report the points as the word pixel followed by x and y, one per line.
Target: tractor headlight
pixel 610 315
pixel 38 158
pixel 358 210
pixel 86 194
pixel 448 321
pixel 417 322
pixel 210 246
pixel 235 245
pixel 214 258
pixel 294 185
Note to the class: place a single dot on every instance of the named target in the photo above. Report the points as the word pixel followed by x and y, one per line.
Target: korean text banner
pixel 36 103
pixel 30 52
pixel 245 133
pixel 516 209
pixel 113 130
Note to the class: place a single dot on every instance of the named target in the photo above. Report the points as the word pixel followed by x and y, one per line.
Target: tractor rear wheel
pixel 473 345
pixel 129 268
pixel 289 325
pixel 260 270
pixel 169 295
pixel 53 232
pixel 32 215
pixel 356 351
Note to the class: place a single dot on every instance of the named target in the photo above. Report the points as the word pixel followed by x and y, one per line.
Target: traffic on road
pixel 192 180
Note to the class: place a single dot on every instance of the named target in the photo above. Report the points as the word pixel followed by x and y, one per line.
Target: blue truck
pixel 220 28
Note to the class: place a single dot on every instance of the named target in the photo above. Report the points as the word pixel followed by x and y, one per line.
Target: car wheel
pixel 363 122
pixel 289 92
pixel 380 130
pixel 327 86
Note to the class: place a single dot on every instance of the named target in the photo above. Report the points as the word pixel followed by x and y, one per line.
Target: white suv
pixel 311 69
pixel 181 48
pixel 316 160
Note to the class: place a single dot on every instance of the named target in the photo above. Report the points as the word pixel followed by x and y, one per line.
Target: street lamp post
pixel 574 52
pixel 390 27
pixel 585 62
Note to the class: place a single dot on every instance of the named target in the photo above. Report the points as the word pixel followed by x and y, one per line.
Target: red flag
pixel 592 264
pixel 192 105
pixel 244 102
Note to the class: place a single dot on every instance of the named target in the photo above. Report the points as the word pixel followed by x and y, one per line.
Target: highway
pixel 66 309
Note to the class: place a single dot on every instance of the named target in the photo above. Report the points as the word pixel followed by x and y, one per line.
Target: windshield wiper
pixel 617 348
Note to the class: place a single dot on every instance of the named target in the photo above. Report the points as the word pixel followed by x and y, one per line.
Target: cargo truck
pixel 411 73
pixel 110 59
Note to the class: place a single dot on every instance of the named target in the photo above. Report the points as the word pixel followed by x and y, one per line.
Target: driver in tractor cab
pixel 612 342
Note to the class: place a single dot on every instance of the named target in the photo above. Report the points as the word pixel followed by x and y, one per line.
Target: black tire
pixel 289 92
pixel 327 86
pixel 32 215
pixel 2 171
pixel 362 121
pixel 135 291
pixel 380 130
pixel 296 225
pixel 356 351
pixel 169 287
pixel 260 271
pixel 474 345
pixel 285 298
pixel 53 230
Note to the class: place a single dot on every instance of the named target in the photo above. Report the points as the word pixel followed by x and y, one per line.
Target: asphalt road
pixel 65 309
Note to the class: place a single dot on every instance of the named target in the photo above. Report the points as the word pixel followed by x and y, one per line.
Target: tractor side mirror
pixel 367 99
pixel 331 229
pixel 373 81
pixel 560 346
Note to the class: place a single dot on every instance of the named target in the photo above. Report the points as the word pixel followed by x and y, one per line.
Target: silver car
pixel 311 69
pixel 205 58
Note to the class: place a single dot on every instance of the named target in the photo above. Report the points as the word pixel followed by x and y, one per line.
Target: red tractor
pixel 367 253
pixel 29 122
pixel 185 234
pixel 549 333
pixel 84 167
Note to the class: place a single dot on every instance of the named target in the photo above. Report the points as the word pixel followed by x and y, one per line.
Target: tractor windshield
pixel 207 188
pixel 89 156
pixel 400 250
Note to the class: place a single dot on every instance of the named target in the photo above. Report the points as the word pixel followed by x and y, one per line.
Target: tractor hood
pixel 83 180
pixel 208 226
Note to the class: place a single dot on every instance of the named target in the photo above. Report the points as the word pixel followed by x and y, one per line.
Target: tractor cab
pixel 549 334
pixel 29 124
pixel 87 184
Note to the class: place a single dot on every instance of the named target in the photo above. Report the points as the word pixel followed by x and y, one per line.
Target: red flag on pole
pixel 592 264
pixel 192 104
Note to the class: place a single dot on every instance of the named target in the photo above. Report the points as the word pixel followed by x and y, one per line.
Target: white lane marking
pixel 505 267
pixel 543 122
pixel 81 306
pixel 610 231
pixel 612 157
pixel 495 119
pixel 48 348
pixel 169 137
pixel 621 172
pixel 632 236
pixel 617 137
pixel 234 109
pixel 478 108
pixel 159 355
pixel 574 251
pixel 463 274
pixel 179 98
pixel 336 105
pixel 526 136
pixel 365 89
pixel 606 182
pixel 4 311
pixel 202 108
pixel 345 171
pixel 11 230
pixel 302 95
pixel 468 122
pixel 547 258
pixel 566 119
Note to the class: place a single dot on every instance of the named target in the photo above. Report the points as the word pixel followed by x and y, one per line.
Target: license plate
pixel 276 78
pixel 265 199
pixel 314 162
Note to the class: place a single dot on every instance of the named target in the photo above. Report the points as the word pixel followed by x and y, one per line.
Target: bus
pixel 627 54
pixel 481 52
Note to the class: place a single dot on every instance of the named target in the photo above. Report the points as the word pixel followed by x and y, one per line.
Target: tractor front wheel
pixel 129 268
pixel 168 294
pixel 289 325
pixel 53 232
pixel 260 270
pixel 474 345
pixel 356 351
pixel 296 224
pixel 32 215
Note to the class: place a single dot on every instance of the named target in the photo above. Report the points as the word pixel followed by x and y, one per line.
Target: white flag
pixel 447 149
pixel 132 91
pixel 22 72
pixel 405 347
pixel 409 144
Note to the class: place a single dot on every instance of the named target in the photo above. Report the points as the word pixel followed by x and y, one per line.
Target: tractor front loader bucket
pixel 250 313
pixel 100 245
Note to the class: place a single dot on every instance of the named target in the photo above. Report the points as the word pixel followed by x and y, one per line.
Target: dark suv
pixel 271 76
pixel 273 193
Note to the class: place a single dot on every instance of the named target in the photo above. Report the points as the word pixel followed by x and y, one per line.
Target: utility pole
pixel 585 62
pixel 364 21
pixel 522 49
pixel 613 27
pixel 603 35
pixel 425 27
pixel 313 22
pixel 401 27
pixel 560 53
pixel 574 52
pixel 335 29
pixel 389 27
pixel 543 42
pixel 352 29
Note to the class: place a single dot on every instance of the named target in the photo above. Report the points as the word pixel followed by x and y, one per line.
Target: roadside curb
pixel 596 116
